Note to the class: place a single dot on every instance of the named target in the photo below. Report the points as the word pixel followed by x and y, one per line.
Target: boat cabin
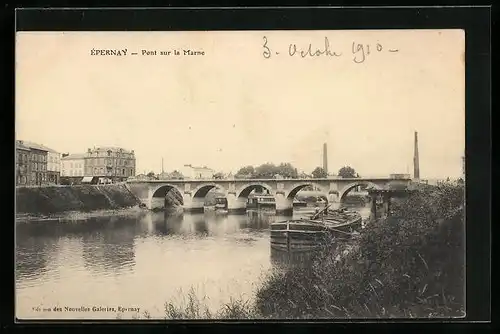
pixel 261 201
pixel 221 203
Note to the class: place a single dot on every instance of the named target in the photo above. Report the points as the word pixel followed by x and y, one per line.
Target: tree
pixel 347 172
pixel 319 172
pixel 286 170
pixel 269 171
pixel 151 175
pixel 265 171
pixel 176 175
pixel 245 172
pixel 219 175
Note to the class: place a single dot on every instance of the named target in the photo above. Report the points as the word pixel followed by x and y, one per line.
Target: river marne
pixel 88 269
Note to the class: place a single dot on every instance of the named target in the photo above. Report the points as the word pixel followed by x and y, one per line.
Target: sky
pixel 233 107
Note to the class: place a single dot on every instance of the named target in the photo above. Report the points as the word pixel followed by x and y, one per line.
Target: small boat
pixel 261 202
pixel 221 205
pixel 299 203
pixel 311 234
pixel 298 235
pixel 341 221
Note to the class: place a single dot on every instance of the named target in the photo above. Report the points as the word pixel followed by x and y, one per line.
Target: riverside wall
pixel 85 198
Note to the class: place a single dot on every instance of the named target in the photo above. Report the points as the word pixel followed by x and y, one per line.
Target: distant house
pixel 41 166
pixel 114 163
pixel 73 165
pixel 23 175
pixel 163 176
pixel 193 172
pixel 142 177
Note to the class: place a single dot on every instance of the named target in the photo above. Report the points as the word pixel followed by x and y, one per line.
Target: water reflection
pixel 141 260
pixel 110 249
pixel 33 255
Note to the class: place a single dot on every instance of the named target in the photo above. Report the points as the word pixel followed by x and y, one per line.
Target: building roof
pixel 198 168
pixel 21 146
pixel 36 146
pixel 74 156
pixel 111 148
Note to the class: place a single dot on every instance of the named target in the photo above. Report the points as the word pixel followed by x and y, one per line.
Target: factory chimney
pixel 416 166
pixel 325 158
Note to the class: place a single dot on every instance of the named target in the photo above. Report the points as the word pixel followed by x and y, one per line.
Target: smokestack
pixel 325 158
pixel 416 166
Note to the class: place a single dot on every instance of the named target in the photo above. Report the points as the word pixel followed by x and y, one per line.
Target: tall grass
pixel 411 265
pixel 196 308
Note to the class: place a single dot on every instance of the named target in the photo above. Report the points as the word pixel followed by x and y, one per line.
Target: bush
pixel 411 265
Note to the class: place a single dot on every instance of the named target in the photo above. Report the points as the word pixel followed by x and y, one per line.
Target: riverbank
pixel 411 265
pixel 54 200
pixel 74 216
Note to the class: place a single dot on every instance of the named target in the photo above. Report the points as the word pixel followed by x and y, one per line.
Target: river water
pixel 139 262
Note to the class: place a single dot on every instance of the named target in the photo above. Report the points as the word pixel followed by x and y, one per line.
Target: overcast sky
pixel 233 107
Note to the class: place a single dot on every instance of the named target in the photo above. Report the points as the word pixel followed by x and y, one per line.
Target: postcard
pixel 240 174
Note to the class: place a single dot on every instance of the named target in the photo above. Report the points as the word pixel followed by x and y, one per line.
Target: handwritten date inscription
pixel 359 51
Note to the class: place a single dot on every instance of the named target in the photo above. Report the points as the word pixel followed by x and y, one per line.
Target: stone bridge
pixel 152 192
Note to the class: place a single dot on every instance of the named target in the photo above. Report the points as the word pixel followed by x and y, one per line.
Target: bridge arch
pixel 202 190
pixel 296 188
pixel 161 192
pixel 245 190
pixel 350 186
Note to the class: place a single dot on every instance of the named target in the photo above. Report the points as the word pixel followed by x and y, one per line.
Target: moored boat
pixel 298 235
pixel 261 202
pixel 341 223
pixel 299 203
pixel 221 205
pixel 310 234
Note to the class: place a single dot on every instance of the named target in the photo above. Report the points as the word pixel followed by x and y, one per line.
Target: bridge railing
pixel 212 180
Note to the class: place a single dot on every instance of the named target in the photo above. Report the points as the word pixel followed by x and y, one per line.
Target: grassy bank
pixel 83 198
pixel 411 265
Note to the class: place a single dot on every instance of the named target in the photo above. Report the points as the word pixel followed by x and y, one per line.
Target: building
pixel 400 176
pixel 38 164
pixel 50 168
pixel 193 172
pixel 53 166
pixel 73 165
pixel 23 171
pixel 110 163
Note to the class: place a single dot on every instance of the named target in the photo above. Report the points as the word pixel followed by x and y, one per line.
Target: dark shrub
pixel 411 265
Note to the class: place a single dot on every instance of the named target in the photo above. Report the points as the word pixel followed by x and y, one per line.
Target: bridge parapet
pixel 193 191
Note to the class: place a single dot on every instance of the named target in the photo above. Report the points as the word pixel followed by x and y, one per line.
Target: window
pixel 109 153
pixel 123 171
